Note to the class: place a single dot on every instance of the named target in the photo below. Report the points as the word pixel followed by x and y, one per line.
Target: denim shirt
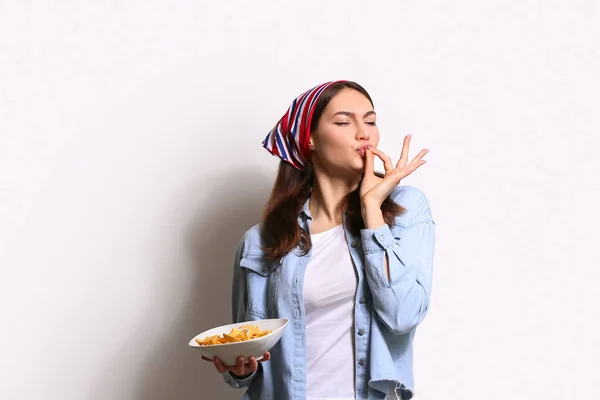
pixel 386 312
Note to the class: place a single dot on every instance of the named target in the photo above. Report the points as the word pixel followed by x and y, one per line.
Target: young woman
pixel 343 252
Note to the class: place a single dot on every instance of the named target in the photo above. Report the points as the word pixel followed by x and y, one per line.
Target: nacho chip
pixel 243 333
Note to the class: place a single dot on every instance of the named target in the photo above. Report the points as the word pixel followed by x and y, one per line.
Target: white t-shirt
pixel 329 292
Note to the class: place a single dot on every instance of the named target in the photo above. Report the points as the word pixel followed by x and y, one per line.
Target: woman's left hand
pixel 374 190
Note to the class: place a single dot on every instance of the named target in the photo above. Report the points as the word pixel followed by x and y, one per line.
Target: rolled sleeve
pixel 376 243
pixel 377 240
pixel 401 300
pixel 239 305
pixel 238 383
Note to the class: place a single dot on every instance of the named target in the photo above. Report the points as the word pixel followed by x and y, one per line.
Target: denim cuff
pixel 377 240
pixel 238 383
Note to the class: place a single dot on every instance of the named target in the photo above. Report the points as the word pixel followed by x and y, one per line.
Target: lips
pixel 361 150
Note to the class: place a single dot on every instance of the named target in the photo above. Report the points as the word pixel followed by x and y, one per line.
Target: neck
pixel 327 200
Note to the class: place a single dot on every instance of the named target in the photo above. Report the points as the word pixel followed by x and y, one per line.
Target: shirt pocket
pixel 261 286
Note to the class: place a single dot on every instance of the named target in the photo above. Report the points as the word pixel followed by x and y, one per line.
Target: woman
pixel 342 252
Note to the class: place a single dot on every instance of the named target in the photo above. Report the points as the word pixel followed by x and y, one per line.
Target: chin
pixel 350 168
pixel 357 167
pixel 360 164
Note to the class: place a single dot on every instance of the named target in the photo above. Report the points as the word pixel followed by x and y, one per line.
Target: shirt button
pixel 362 361
pixel 381 237
pixel 361 331
pixel 362 300
pixel 265 270
pixel 353 244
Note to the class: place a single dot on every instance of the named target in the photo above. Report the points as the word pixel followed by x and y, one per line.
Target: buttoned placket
pixel 361 319
pixel 299 323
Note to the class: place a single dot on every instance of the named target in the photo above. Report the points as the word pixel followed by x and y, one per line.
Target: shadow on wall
pixel 173 370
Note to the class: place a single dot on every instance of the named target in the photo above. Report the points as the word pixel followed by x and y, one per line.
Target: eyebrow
pixel 351 114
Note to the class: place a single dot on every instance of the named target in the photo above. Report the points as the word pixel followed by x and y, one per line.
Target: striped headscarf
pixel 288 140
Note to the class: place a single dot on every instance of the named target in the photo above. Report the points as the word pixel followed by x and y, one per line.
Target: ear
pixel 311 144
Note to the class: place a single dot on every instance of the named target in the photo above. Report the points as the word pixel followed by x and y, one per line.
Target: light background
pixel 131 164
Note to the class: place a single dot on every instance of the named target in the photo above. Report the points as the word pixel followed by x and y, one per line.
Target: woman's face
pixel 346 127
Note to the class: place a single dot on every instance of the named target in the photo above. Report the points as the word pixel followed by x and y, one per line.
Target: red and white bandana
pixel 288 140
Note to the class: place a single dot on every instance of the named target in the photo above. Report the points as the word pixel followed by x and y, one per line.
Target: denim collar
pixel 305 212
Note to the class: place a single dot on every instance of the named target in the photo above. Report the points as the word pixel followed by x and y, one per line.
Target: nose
pixel 363 133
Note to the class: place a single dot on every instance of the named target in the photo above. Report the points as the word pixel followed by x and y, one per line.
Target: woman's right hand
pixel 241 368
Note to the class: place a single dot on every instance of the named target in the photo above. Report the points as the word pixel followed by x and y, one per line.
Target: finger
pixel 387 161
pixel 409 169
pixel 369 162
pixel 239 367
pixel 266 357
pixel 419 156
pixel 404 155
pixel 219 365
pixel 252 364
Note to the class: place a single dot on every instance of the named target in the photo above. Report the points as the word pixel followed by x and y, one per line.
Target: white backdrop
pixel 131 164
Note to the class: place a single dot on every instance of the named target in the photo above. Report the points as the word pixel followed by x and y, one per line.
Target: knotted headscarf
pixel 288 140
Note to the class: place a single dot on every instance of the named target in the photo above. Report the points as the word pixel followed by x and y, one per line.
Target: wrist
pixel 370 204
pixel 372 216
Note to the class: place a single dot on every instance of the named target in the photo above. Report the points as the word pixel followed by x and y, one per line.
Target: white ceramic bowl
pixel 229 352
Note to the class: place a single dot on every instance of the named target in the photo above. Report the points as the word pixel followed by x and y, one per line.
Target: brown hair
pixel 280 230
